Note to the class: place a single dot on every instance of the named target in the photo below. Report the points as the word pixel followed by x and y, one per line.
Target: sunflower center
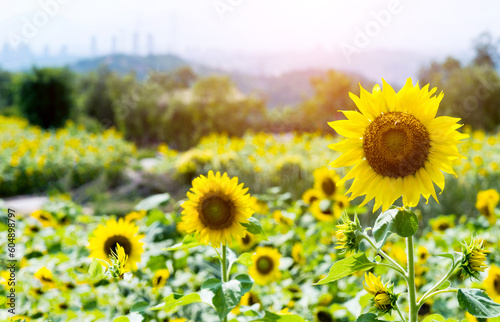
pixel 324 316
pixel 396 144
pixel 112 243
pixel 265 265
pixel 216 213
pixel 496 284
pixel 246 240
pixel 443 226
pixel 328 186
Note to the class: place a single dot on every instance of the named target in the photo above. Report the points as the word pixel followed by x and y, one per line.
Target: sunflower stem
pixel 394 264
pixel 224 268
pixel 400 314
pixel 412 292
pixel 431 292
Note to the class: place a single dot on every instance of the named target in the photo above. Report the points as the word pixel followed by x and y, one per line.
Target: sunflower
pixel 311 195
pixel 442 223
pixel 383 297
pixel 160 278
pixel 298 254
pixel 396 144
pixel 45 218
pixel 325 181
pixel 329 210
pixel 422 255
pixel 492 283
pixel 45 276
pixel 107 237
pixel 217 208
pixel 265 265
pixel 247 241
pixel 486 202
pixel 135 215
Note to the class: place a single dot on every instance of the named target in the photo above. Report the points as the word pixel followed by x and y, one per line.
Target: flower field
pixel 265 227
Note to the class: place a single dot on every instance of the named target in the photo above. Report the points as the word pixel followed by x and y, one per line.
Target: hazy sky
pixel 422 26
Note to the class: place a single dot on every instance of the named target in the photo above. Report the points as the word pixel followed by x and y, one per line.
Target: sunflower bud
pixel 384 298
pixel 348 234
pixel 118 261
pixel 473 260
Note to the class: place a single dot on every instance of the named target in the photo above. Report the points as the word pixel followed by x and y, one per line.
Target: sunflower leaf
pixel 152 202
pixel 188 242
pixel 368 317
pixel 254 227
pixel 477 303
pixel 95 269
pixel 347 266
pixel 274 317
pixel 227 295
pixel 175 300
pixel 400 221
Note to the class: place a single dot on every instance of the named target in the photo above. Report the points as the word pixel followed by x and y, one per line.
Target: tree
pixel 45 96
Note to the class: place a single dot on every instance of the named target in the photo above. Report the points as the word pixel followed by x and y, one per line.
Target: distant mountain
pixel 286 89
pixel 140 65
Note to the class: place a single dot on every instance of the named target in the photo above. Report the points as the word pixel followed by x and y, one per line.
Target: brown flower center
pixel 328 186
pixel 496 284
pixel 265 265
pixel 396 144
pixel 216 213
pixel 112 243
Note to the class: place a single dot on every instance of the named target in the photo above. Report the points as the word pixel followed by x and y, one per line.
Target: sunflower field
pixel 393 219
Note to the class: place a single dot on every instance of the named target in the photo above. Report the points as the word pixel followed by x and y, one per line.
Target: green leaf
pixel 228 294
pixel 434 317
pixel 368 317
pixel 400 221
pixel 406 223
pixel 139 307
pixel 245 259
pixel 254 227
pixel 188 242
pixel 96 270
pixel 273 317
pixel 121 319
pixel 152 202
pixel 455 256
pixel 347 266
pixel 175 300
pixel 477 303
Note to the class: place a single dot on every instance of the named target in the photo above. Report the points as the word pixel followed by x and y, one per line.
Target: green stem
pixel 402 273
pixel 400 314
pixel 394 265
pixel 430 293
pixel 224 269
pixel 412 292
pixel 448 290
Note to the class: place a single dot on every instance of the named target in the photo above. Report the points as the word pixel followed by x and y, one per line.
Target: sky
pixel 254 26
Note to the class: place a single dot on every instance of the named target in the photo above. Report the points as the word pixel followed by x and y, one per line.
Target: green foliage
pixel 403 222
pixel 471 92
pixel 227 294
pixel 346 267
pixel 273 317
pixel 331 94
pixel 368 317
pixel 152 202
pixel 255 227
pixel 477 303
pixel 45 96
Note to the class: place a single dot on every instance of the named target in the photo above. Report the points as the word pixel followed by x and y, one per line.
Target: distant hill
pixel 140 65
pixel 287 89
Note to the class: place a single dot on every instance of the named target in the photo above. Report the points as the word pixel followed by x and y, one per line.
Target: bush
pixel 45 96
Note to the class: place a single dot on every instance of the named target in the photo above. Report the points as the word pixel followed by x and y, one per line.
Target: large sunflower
pixel 217 208
pixel 106 237
pixel 265 265
pixel 397 145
